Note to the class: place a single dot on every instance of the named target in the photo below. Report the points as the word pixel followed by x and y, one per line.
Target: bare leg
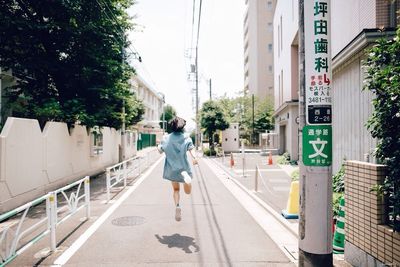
pixel 187 188
pixel 175 186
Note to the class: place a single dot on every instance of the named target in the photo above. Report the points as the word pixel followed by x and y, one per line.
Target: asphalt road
pixel 215 229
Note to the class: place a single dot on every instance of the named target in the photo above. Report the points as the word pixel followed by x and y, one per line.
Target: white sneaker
pixel 178 212
pixel 186 177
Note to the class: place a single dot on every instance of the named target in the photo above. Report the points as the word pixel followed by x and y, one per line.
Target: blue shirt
pixel 175 146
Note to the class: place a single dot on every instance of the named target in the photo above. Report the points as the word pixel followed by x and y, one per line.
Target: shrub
pixel 284 159
pixel 295 175
pixel 209 152
pixel 338 181
pixel 383 79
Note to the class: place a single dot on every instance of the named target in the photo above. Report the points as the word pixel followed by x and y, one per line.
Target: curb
pixel 292 228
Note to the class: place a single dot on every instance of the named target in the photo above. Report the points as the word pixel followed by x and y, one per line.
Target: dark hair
pixel 177 124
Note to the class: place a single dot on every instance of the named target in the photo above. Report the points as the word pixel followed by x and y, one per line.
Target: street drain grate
pixel 128 221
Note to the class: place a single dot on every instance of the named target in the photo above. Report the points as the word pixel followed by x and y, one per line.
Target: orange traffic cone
pixel 270 158
pixel 232 161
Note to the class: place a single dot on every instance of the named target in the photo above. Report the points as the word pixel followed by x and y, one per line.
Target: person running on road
pixel 176 167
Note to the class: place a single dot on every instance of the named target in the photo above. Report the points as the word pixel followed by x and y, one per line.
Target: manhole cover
pixel 128 221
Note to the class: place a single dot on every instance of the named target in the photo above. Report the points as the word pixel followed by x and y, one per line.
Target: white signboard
pixel 318 72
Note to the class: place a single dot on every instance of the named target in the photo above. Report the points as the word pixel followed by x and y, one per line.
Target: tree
pixel 170 113
pixel 69 61
pixel 212 118
pixel 239 109
pixel 262 118
pixel 383 79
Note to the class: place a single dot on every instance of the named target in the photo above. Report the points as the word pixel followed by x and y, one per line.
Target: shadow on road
pixel 179 241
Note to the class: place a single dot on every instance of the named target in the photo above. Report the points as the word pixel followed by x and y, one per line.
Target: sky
pixel 163 37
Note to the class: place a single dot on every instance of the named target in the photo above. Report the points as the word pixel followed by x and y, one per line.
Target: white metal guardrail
pixel 10 239
pixel 120 172
pixel 73 200
pixel 10 247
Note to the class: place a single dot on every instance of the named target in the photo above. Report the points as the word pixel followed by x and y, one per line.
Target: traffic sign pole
pixel 315 236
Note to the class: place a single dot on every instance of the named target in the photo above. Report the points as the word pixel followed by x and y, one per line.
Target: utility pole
pixel 210 90
pixel 197 100
pixel 123 143
pixel 315 72
pixel 252 104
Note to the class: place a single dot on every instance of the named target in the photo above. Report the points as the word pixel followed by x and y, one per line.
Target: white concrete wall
pixel 351 109
pixel 230 138
pixel 33 162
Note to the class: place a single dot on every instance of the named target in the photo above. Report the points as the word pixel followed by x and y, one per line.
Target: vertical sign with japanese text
pixel 318 63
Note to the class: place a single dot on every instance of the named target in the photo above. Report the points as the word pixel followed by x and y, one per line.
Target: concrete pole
pixel 315 231
pixel 252 104
pixel 210 91
pixel 197 101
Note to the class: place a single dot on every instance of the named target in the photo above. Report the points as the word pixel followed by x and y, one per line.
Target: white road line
pixel 262 170
pixel 279 181
pixel 280 188
pixel 62 260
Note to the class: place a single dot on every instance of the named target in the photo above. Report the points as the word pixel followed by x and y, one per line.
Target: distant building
pixel 230 138
pixel 259 48
pixel 153 102
pixel 286 84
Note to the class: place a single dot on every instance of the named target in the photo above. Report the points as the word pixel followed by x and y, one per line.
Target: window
pixel 270 88
pixel 270 69
pixel 269 5
pixel 270 28
pixel 96 141
pixel 269 48
pixel 234 127
pixel 226 139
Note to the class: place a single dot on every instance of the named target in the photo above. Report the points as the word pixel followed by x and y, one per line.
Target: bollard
pixel 292 207
pixel 256 179
pixel 338 240
pixel 270 158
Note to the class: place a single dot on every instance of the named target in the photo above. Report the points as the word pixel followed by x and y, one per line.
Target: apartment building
pixel 259 48
pixel 286 84
pixel 153 102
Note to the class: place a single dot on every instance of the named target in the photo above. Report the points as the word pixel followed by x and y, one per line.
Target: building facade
pixel 286 84
pixel 355 25
pixel 153 103
pixel 259 48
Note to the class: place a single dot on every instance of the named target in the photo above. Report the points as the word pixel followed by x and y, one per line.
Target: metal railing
pixel 120 172
pixel 10 249
pixel 72 206
pixel 10 246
